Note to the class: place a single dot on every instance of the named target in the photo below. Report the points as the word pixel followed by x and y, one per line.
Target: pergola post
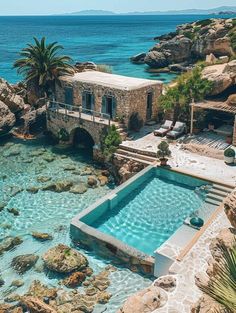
pixel 192 115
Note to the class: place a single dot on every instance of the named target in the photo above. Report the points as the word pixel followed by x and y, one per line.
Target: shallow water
pixel 50 212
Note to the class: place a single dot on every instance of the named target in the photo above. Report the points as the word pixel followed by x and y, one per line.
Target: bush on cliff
pixel 188 87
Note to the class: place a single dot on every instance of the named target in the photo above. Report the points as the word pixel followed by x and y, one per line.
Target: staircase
pixel 217 194
pixel 121 152
pixel 122 130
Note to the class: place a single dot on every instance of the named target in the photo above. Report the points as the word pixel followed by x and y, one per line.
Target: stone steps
pixel 217 194
pixel 131 155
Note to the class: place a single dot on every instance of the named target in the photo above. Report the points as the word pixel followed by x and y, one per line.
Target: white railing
pixel 78 111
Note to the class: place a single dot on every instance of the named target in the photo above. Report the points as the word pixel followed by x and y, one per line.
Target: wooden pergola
pixel 211 105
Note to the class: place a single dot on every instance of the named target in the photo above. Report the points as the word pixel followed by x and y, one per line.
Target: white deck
pixel 112 80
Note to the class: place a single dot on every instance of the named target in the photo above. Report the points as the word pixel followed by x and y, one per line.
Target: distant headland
pixel 219 10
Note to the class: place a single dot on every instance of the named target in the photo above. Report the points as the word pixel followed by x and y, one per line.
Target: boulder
pixel 58 186
pixel 13 211
pixel 23 263
pixel 220 78
pixel 9 243
pixel 232 100
pixel 92 182
pixel 79 188
pixel 168 283
pixel 7 119
pixel 17 283
pixel 85 66
pixel 35 119
pixel 156 59
pixel 230 208
pixel 103 180
pixel 138 58
pixel 8 96
pixel 147 300
pixel 42 236
pixel 206 305
pixel 37 289
pixel 63 259
pixel 74 280
pixel 211 59
pixel 35 305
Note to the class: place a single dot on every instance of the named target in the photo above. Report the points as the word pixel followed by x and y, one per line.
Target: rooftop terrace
pixel 111 80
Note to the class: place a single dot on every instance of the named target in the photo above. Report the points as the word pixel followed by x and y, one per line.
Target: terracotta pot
pixel 229 140
pixel 163 162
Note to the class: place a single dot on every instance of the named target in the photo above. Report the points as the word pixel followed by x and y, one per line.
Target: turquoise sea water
pixel 147 217
pixel 47 211
pixel 103 39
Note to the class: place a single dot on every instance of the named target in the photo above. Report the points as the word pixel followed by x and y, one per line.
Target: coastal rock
pixel 231 100
pixel 2 282
pixel 226 237
pixel 63 259
pixel 79 188
pixel 147 300
pixel 92 182
pixel 42 236
pixel 103 180
pixel 220 79
pixel 8 96
pixel 168 283
pixel 9 243
pixel 58 186
pixel 2 206
pixel 85 66
pixel 206 305
pixel 36 305
pixel 43 179
pixel 138 58
pixel 13 297
pixel 40 291
pixel 191 42
pixel 23 263
pixel 33 189
pixel 74 280
pixel 230 208
pixel 17 283
pixel 7 119
pixel 13 211
pixel 35 119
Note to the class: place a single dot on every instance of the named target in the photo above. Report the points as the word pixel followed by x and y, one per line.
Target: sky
pixel 25 7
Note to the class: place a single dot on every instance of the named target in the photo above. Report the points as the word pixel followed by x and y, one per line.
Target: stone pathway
pixel 186 292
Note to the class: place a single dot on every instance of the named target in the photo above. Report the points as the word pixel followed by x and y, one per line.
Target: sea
pixel 110 40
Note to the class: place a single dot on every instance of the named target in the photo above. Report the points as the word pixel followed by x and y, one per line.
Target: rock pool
pixel 27 167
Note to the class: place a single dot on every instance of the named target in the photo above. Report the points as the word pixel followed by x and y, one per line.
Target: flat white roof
pixel 112 80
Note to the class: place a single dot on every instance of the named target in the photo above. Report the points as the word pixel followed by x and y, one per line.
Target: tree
pixel 41 66
pixel 189 87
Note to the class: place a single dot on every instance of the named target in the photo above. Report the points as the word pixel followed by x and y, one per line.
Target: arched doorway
pixel 82 139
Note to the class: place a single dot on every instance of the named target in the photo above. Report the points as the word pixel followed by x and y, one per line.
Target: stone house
pixel 114 95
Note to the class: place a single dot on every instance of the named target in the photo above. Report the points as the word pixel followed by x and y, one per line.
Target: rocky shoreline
pixel 178 51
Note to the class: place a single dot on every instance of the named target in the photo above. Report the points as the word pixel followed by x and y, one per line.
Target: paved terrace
pixel 186 292
pixel 209 167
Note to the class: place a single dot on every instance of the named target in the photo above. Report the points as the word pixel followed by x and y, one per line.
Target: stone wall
pixel 127 101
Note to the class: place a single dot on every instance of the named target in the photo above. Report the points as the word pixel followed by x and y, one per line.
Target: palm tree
pixel 222 287
pixel 41 66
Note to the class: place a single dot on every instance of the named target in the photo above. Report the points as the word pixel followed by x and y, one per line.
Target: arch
pixel 81 137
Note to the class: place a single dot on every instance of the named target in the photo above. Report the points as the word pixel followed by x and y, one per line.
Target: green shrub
pixel 163 151
pixel 110 141
pixel 135 122
pixel 232 36
pixel 204 23
pixel 189 35
pixel 230 153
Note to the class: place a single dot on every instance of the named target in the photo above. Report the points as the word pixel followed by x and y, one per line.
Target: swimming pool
pixel 147 216
pixel 135 221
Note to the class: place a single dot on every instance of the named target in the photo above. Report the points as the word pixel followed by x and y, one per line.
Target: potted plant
pixel 229 156
pixel 163 152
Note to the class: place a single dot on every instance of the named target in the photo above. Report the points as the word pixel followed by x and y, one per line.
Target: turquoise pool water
pixel 47 211
pixel 152 212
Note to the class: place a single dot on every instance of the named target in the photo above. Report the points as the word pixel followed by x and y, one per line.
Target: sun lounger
pixel 164 129
pixel 177 130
